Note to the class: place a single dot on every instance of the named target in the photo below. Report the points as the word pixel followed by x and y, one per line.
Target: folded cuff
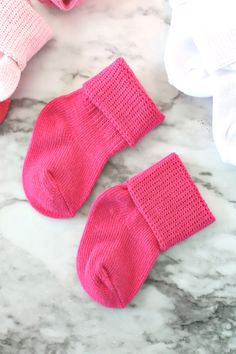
pixel 119 95
pixel 214 32
pixel 23 31
pixel 217 49
pixel 169 201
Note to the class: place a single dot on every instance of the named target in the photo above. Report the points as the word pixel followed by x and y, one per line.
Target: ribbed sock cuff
pixel 23 31
pixel 119 95
pixel 217 50
pixel 169 201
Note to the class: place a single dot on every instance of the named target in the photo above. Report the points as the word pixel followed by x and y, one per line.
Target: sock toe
pixel 99 284
pixel 9 77
pixel 44 194
pixel 117 249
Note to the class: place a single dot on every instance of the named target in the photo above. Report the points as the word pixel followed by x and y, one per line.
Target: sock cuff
pixel 119 95
pixel 213 30
pixel 23 31
pixel 170 202
pixel 217 50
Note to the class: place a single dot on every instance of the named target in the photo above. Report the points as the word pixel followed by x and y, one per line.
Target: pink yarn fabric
pixel 23 33
pixel 4 107
pixel 76 134
pixel 130 224
pixel 62 4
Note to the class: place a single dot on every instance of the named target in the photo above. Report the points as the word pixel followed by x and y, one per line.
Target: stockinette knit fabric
pixel 23 33
pixel 130 224
pixel 76 134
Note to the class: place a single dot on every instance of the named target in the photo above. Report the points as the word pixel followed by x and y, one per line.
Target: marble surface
pixel 188 303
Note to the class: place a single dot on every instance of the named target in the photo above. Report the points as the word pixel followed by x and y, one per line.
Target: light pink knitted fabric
pixel 76 134
pixel 23 32
pixel 62 4
pixel 130 224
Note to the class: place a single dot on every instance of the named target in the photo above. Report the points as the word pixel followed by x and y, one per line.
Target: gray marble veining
pixel 188 303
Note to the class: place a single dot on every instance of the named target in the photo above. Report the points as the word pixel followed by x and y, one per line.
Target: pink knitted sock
pixel 76 134
pixel 23 32
pixel 4 107
pixel 62 4
pixel 130 224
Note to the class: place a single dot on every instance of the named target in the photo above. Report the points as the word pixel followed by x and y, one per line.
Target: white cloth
pixel 224 114
pixel 200 60
pixel 183 63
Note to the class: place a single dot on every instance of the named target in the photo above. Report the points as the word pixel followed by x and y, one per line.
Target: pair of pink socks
pixel 129 224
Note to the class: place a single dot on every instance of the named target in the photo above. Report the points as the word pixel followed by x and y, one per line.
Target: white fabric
pixel 200 60
pixel 224 114
pixel 213 29
pixel 182 61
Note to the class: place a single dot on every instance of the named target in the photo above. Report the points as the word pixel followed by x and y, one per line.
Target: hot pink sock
pixel 130 224
pixel 76 134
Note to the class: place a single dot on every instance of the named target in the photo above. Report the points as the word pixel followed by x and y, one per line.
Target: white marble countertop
pixel 188 303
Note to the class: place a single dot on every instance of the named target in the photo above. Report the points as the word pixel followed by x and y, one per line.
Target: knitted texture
pixel 76 134
pixel 127 106
pixel 9 77
pixel 4 107
pixel 170 202
pixel 130 224
pixel 216 37
pixel 23 33
pixel 61 4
